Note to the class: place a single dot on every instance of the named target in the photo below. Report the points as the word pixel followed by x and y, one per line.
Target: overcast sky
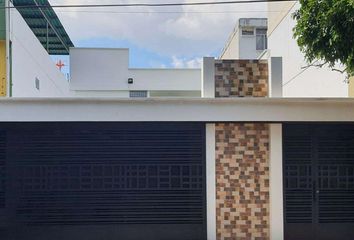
pixel 179 38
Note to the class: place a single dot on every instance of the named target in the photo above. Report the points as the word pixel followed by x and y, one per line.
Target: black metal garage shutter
pixel 319 181
pixel 122 180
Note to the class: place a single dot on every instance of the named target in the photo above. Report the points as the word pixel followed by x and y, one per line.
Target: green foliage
pixel 325 31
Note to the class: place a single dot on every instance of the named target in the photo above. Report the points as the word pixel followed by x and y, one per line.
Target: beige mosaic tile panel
pixel 242 181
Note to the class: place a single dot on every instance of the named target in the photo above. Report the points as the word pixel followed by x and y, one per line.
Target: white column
pixel 276 154
pixel 276 76
pixel 276 182
pixel 208 77
pixel 210 178
pixel 208 91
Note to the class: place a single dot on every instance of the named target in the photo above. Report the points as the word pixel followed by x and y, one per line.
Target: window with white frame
pixel 261 39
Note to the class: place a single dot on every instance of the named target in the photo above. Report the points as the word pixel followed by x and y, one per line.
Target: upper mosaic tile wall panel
pixel 241 78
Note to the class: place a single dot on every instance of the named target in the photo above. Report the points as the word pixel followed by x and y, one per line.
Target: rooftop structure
pixel 45 24
pixel 248 39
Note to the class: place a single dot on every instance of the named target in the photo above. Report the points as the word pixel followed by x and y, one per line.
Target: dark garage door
pixel 319 181
pixel 102 181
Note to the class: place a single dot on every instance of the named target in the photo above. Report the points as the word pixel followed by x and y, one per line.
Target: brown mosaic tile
pixel 241 78
pixel 242 181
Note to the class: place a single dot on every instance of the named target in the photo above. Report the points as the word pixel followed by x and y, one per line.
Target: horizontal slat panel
pixel 336 206
pixel 298 206
pixel 121 207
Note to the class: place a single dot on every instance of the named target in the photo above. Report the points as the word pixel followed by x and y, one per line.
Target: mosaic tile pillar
pixel 242 156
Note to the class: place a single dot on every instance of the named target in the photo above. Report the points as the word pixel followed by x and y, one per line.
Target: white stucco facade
pixel 298 80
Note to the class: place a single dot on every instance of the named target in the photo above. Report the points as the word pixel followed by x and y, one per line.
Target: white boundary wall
pixel 271 110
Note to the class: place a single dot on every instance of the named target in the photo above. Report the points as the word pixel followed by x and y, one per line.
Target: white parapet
pixel 107 69
pixel 271 110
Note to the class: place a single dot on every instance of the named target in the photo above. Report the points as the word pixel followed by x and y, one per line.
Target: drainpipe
pixel 8 49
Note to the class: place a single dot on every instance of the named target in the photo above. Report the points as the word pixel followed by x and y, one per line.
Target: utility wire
pixel 167 12
pixel 299 73
pixel 146 4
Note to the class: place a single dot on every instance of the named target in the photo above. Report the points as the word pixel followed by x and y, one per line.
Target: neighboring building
pixel 106 72
pixel 298 80
pixel 248 39
pixel 29 36
pixel 259 38
pixel 27 69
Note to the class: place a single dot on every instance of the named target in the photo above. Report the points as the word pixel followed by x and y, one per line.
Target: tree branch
pixel 338 70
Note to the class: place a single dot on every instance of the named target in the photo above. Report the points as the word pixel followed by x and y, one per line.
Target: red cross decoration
pixel 60 64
